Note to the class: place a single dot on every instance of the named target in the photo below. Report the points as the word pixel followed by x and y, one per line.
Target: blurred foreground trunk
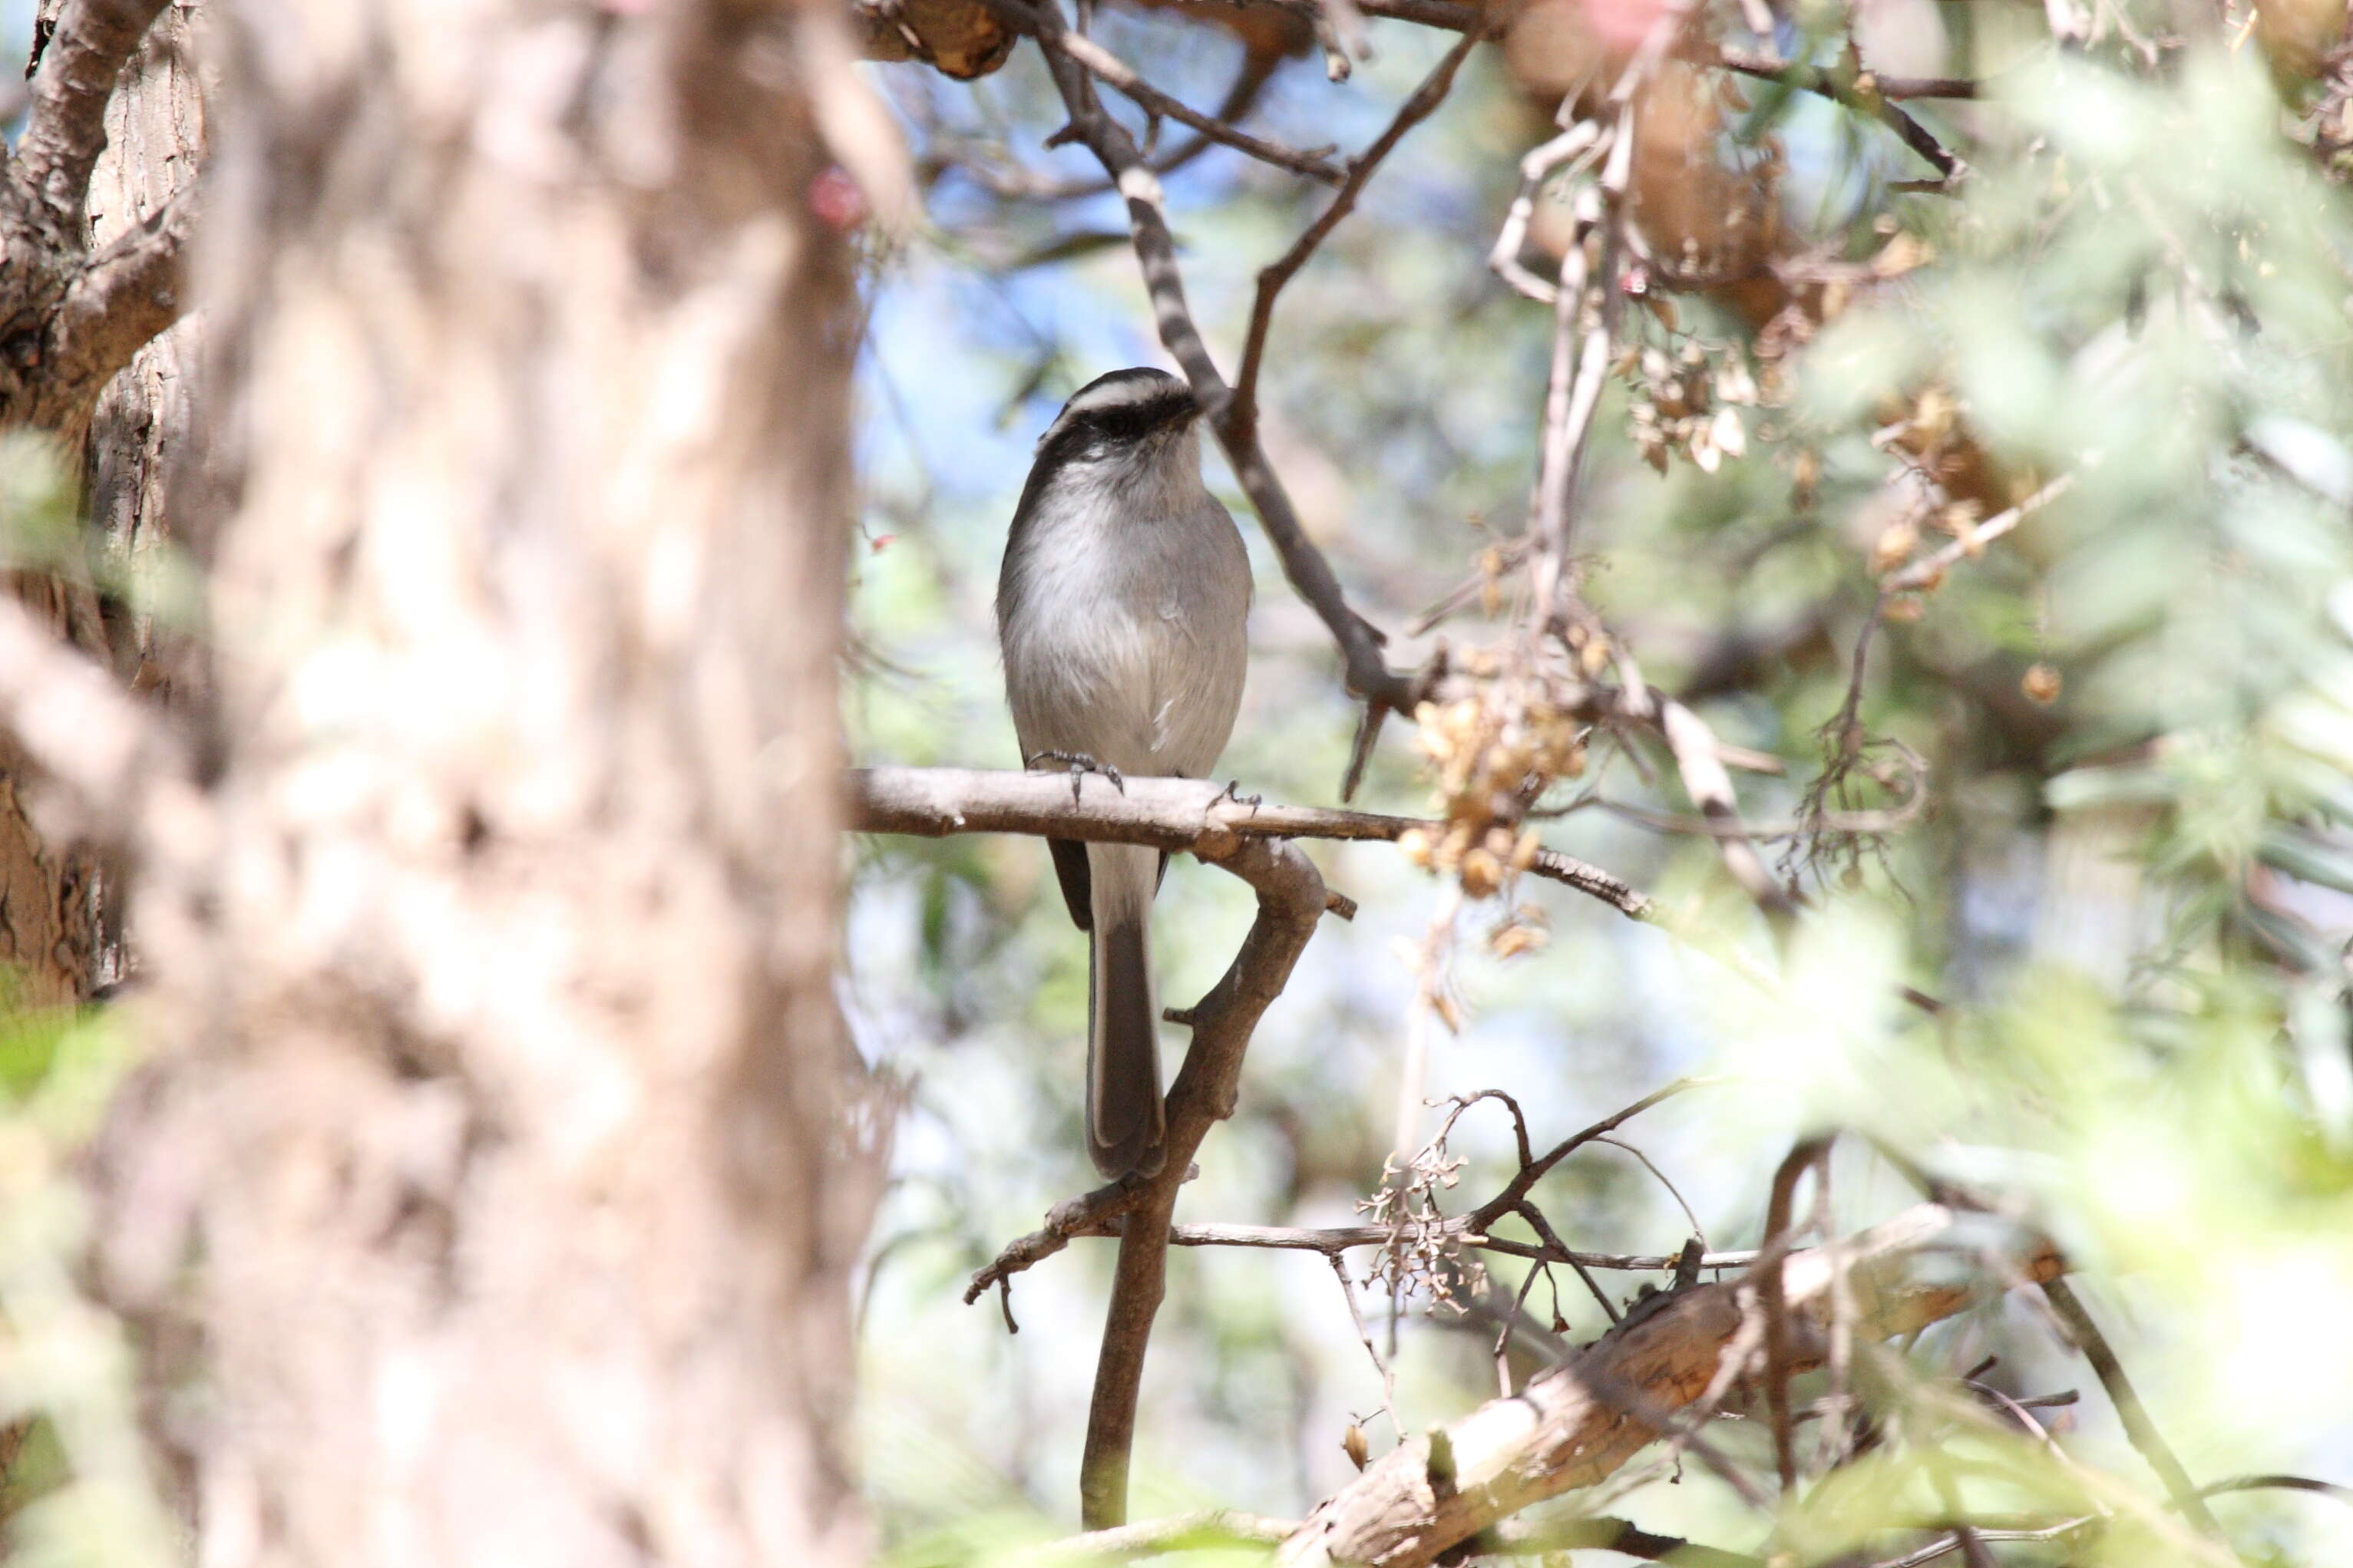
pixel 503 1143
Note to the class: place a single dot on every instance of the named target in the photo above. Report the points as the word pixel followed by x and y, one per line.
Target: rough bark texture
pixel 501 1091
pixel 60 898
pixel 140 434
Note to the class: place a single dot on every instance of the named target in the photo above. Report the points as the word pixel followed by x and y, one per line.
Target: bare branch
pixel 1808 1154
pixel 1578 142
pixel 1865 92
pixel 1815 80
pixel 1340 1238
pixel 1930 569
pixel 1091 1213
pixel 1441 13
pixel 1241 411
pixel 1531 1173
pixel 1290 902
pixel 1624 1538
pixel 1109 68
pixel 67 128
pixel 1182 815
pixel 1569 403
pixel 1709 785
pixel 2130 1411
pixel 2274 1483
pixel 1173 814
pixel 1562 1432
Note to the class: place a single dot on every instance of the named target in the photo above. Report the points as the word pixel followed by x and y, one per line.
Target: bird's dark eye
pixel 1122 424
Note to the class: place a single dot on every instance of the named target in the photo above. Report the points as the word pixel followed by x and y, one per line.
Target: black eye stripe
pixel 1133 419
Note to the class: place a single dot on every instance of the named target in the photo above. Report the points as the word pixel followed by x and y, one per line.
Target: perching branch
pixel 1561 1432
pixel 1241 410
pixel 1174 814
pixel 1184 815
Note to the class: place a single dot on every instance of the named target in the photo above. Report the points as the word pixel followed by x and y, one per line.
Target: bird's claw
pixel 1234 793
pixel 1080 765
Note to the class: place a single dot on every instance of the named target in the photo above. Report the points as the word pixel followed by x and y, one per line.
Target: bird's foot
pixel 1080 765
pixel 1234 793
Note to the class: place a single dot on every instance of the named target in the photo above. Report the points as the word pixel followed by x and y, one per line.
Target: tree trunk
pixel 62 900
pixel 139 449
pixel 500 1090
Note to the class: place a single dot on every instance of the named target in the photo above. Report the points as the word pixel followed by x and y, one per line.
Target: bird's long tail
pixel 1124 1124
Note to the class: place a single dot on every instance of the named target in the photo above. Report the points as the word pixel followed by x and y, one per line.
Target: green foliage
pixel 77 1490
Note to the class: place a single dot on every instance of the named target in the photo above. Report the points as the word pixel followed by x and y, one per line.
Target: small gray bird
pixel 1121 612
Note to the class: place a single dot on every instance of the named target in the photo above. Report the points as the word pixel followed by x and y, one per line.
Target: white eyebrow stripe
pixel 1120 394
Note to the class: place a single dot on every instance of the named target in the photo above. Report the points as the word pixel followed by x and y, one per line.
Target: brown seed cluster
pixel 1687 403
pixel 1492 749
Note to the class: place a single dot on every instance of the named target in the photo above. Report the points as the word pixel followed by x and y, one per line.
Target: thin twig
pixel 1865 92
pixel 1623 1538
pixel 2277 1483
pixel 1772 1295
pixel 1241 411
pixel 1341 1238
pixel 1364 1336
pixel 1110 69
pixel 1709 785
pixel 1515 1190
pixel 1571 149
pixel 1556 1248
pixel 1944 1546
pixel 2130 1411
pixel 1930 569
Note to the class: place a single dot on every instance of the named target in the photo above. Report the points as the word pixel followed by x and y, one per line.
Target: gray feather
pixel 1122 611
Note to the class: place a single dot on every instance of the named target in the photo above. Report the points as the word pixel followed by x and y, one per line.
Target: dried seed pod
pixel 1893 547
pixel 1511 939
